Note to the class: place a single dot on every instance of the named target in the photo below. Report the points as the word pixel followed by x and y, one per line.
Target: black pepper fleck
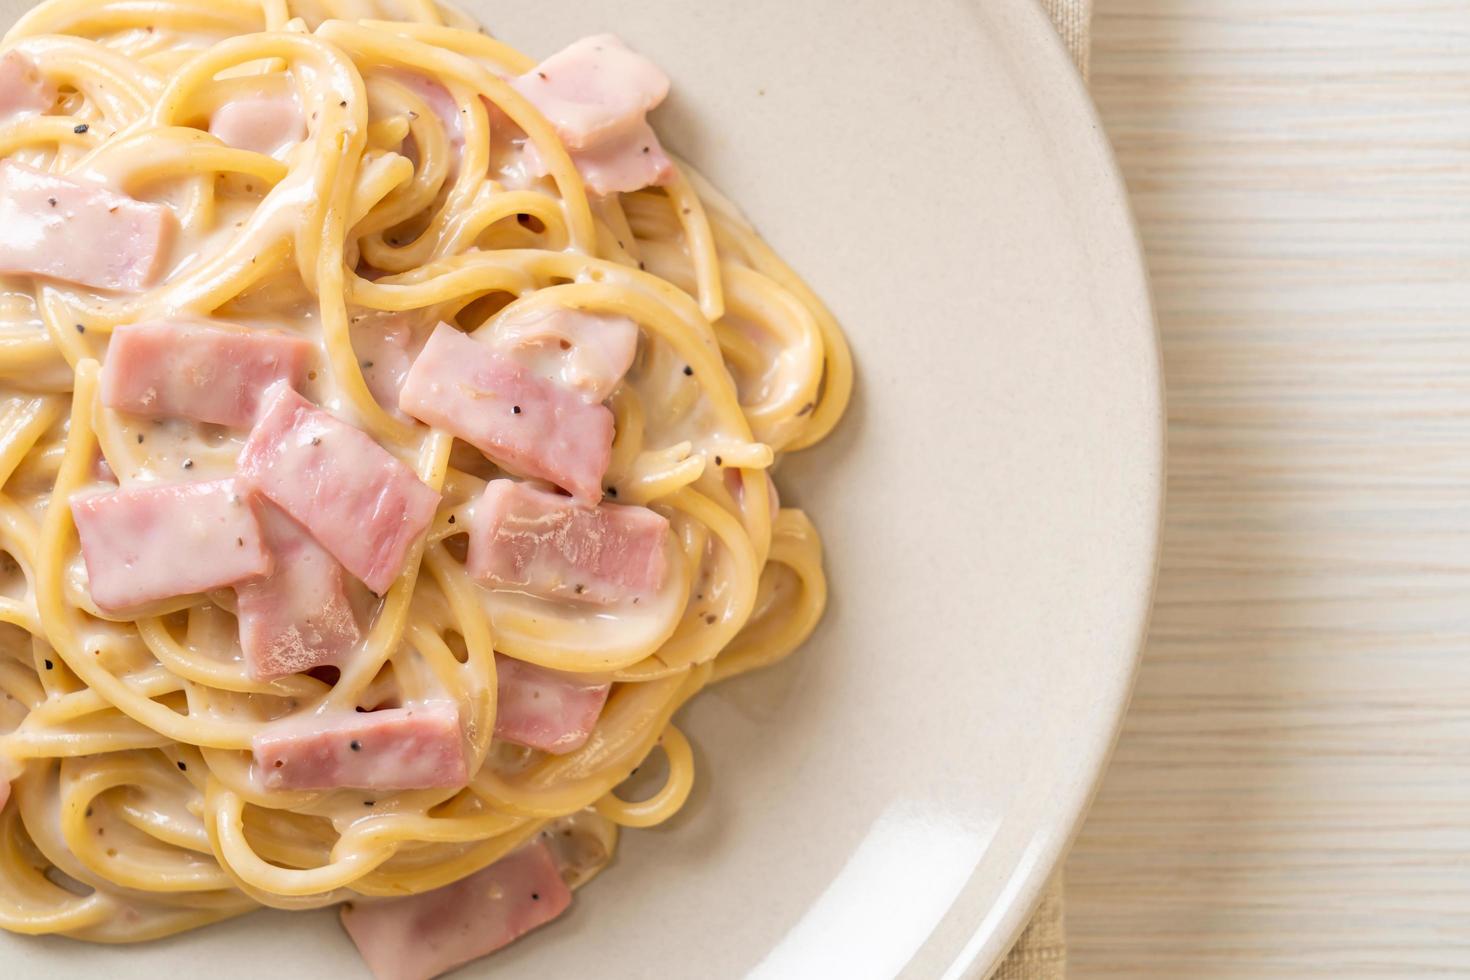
pixel 188 464
pixel 368 803
pixel 183 767
pixel 367 365
pixel 81 328
pixel 88 813
pixel 645 149
pixel 140 438
pixel 80 129
pixel 688 371
pixel 49 665
pixel 541 75
pixel 515 409
pixel 580 589
pixel 239 542
pixel 719 461
pixel 343 103
pixel 51 201
pixel 316 440
pixel 355 745
pixel 451 518
pixel 535 896
pixel 612 491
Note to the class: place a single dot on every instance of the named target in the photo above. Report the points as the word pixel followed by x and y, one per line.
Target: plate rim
pixel 988 943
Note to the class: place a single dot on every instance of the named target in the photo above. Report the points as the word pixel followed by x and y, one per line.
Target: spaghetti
pixel 423 186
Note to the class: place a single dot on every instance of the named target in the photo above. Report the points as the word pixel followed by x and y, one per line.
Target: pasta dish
pixel 386 428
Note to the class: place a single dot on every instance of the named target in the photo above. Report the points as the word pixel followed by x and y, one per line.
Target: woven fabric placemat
pixel 1074 23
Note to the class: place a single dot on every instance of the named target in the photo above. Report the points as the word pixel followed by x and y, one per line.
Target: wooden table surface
pixel 1291 796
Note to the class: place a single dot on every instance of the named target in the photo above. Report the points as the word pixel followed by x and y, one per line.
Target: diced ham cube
pixel 358 500
pixel 212 374
pixel 423 936
pixel 385 345
pixel 299 616
pixel 597 94
pixel 621 165
pixel 146 543
pixel 550 710
pixel 629 163
pixel 267 123
pixel 527 424
pixel 23 89
pixel 530 540
pixel 587 351
pixel 82 233
pixel 417 746
pixel 594 90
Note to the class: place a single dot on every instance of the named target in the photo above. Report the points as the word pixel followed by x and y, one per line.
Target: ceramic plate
pixel 891 800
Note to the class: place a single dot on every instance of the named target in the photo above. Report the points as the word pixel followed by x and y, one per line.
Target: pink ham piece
pixel 386 344
pixel 597 94
pixel 24 90
pixel 358 500
pixel 82 233
pixel 622 165
pixel 266 124
pixel 529 540
pixel 417 746
pixel 550 710
pixel 423 936
pixel 527 424
pixel 587 351
pixel 212 374
pixel 594 90
pixel 298 617
pixel 146 543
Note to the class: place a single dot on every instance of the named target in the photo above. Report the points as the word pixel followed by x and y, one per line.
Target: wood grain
pixel 1291 796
